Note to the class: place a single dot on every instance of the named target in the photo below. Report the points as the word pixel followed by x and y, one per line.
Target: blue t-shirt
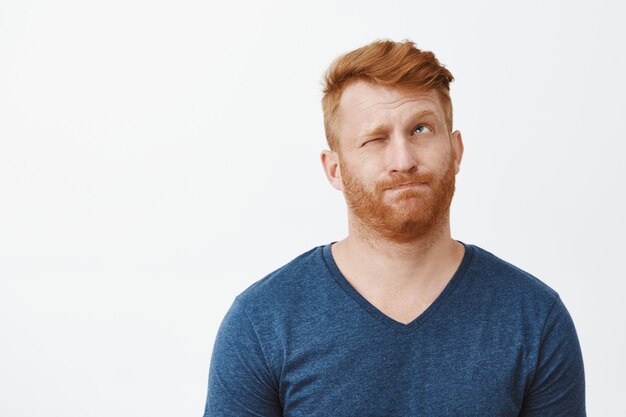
pixel 302 342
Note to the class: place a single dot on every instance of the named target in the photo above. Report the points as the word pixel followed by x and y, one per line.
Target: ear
pixel 330 163
pixel 457 147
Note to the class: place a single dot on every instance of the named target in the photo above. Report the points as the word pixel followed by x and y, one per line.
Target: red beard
pixel 408 214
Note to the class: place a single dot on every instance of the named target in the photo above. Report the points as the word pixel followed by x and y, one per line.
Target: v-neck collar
pixel 388 321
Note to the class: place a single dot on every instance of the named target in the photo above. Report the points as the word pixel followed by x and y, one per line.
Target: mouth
pixel 407 185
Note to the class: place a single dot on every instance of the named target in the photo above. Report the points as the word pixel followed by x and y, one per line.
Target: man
pixel 398 319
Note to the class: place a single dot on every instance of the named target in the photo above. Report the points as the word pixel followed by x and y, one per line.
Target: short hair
pixel 384 62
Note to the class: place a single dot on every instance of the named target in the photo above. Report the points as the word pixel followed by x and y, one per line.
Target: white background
pixel 158 157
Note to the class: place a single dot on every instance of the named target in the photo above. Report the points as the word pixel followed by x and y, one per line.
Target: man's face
pixel 388 138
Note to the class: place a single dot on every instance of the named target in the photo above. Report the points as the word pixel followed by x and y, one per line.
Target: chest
pixel 448 373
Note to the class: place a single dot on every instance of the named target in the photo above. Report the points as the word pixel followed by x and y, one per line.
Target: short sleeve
pixel 240 382
pixel 558 384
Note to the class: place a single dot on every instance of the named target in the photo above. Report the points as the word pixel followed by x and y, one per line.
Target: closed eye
pixel 372 140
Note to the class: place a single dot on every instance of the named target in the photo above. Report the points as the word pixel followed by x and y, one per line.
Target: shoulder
pixel 295 287
pixel 501 289
pixel 280 300
pixel 285 278
pixel 526 316
pixel 512 300
pixel 501 275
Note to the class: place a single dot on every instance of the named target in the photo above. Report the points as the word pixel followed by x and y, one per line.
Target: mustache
pixel 404 179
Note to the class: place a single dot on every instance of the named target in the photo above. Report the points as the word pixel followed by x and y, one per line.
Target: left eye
pixel 420 129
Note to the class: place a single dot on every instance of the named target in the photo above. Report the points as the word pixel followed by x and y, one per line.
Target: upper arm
pixel 240 381
pixel 558 384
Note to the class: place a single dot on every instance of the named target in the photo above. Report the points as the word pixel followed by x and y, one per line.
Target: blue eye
pixel 420 129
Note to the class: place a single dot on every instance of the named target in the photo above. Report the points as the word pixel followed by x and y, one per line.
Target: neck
pixel 364 239
pixel 416 263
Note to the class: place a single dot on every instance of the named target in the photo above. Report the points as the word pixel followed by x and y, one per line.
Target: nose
pixel 401 155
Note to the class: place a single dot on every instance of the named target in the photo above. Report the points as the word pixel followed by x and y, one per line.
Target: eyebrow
pixel 377 130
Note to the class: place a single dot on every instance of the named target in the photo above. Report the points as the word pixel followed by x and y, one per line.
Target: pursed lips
pixel 406 185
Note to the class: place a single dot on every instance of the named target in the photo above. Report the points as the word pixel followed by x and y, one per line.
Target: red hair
pixel 384 62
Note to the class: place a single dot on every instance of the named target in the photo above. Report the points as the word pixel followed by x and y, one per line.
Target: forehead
pixel 364 103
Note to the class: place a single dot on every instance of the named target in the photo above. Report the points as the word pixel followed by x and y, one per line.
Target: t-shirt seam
pixel 258 340
pixel 540 344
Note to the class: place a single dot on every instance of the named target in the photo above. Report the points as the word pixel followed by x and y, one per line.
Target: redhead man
pixel 398 318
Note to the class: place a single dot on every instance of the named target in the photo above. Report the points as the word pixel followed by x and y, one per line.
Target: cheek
pixel 357 170
pixel 361 182
pixel 437 158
